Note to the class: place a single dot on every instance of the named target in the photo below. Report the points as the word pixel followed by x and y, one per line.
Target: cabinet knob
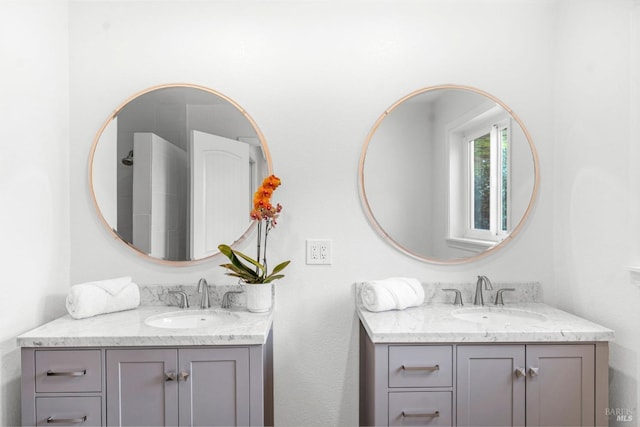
pixel 520 372
pixel 183 376
pixel 170 376
pixel 533 371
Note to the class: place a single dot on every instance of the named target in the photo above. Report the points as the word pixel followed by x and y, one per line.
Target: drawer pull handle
pixel 420 368
pixel 407 414
pixel 67 373
pixel 52 420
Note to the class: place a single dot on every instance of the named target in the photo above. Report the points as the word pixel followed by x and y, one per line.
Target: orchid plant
pixel 247 269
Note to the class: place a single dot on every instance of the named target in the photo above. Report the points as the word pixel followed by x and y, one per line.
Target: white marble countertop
pixel 127 328
pixel 435 322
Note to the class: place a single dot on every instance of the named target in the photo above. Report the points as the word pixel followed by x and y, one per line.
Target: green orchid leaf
pixel 240 276
pixel 250 260
pixel 243 274
pixel 231 254
pixel 237 268
pixel 280 267
pixel 270 279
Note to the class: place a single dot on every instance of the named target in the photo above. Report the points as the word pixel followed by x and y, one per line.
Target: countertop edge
pixel 97 331
pixel 47 342
pixel 491 338
pixel 570 328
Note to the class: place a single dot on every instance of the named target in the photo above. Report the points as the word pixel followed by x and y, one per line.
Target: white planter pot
pixel 258 297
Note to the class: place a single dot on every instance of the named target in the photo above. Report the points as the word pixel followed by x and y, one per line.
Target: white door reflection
pixel 197 158
pixel 220 191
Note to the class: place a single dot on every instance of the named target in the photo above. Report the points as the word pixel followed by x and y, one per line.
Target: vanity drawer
pixel 68 371
pixel 68 411
pixel 420 366
pixel 420 408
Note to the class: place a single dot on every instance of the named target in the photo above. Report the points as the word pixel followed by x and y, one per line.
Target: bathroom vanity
pixel 518 364
pixel 116 370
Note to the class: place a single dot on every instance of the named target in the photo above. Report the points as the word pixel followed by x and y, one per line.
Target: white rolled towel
pixel 100 297
pixel 394 293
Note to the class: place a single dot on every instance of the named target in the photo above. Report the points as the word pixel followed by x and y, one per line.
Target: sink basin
pixel 187 319
pixel 499 316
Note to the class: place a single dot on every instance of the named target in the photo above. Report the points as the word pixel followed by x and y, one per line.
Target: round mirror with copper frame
pixel 172 172
pixel 448 174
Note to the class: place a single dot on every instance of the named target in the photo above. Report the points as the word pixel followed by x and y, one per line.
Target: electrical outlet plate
pixel 319 251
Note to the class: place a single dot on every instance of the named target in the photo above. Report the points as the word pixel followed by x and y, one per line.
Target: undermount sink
pixel 187 319
pixel 498 316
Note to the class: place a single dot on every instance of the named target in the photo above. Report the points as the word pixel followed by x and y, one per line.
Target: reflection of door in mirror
pixel 220 191
pixel 159 199
pixel 144 138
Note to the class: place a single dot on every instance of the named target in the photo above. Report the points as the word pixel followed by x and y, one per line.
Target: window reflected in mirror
pixel 448 174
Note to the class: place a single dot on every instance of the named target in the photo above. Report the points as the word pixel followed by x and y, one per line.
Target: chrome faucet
pixel 203 287
pixel 478 300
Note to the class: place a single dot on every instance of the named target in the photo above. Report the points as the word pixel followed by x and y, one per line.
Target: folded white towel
pixel 395 293
pixel 100 297
pixel 112 286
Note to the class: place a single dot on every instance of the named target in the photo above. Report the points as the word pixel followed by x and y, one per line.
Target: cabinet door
pixel 489 390
pixel 138 391
pixel 560 385
pixel 216 391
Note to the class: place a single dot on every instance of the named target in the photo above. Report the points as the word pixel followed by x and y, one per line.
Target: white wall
pixel 314 75
pixel 34 183
pixel 597 178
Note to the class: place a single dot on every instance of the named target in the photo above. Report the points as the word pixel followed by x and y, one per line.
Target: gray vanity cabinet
pixel 491 384
pixel 148 386
pixel 157 387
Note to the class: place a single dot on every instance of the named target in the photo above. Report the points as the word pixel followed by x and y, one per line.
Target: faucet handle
pixel 226 301
pixel 184 299
pixel 499 299
pixel 458 298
